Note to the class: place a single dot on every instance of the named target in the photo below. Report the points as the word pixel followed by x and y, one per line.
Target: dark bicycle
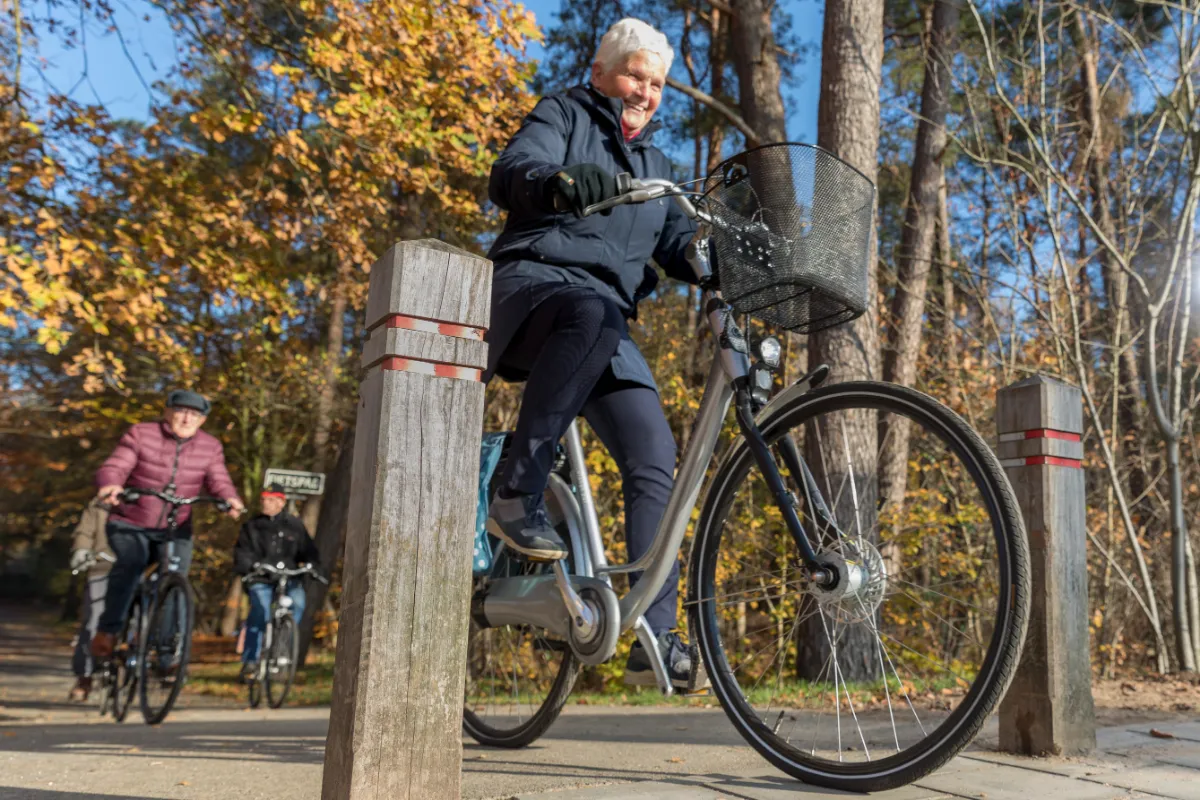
pixel 280 643
pixel 150 655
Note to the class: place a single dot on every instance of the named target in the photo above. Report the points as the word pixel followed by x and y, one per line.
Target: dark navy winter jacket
pixel 539 249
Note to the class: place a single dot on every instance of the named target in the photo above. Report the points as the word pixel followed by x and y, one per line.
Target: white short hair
pixel 629 36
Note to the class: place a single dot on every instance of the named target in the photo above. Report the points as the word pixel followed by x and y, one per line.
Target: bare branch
pixel 735 119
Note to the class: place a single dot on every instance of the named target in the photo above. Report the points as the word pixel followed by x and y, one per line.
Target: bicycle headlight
pixel 770 351
pixel 285 602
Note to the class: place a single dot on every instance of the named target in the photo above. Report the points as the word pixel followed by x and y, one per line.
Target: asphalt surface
pixel 209 748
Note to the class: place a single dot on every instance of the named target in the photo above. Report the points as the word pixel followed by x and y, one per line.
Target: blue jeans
pixel 260 608
pixel 135 549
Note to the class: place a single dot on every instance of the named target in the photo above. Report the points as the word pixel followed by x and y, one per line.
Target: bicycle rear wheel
pixel 165 646
pixel 124 663
pixel 255 687
pixel 281 661
pixel 518 678
pixel 106 689
pixel 877 680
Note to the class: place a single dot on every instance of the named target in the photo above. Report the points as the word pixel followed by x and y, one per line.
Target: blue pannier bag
pixel 489 458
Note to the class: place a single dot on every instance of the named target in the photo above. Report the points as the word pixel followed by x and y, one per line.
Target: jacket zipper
pixel 162 517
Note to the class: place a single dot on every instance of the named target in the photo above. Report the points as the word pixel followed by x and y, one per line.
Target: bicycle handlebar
pixel 265 569
pixel 643 190
pixel 132 495
pixel 91 560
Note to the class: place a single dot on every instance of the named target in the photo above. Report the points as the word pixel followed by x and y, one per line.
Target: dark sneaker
pixel 676 657
pixel 102 645
pixel 521 523
pixel 249 671
pixel 80 691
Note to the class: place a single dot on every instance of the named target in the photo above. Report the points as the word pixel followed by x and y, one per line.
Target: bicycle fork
pixel 821 573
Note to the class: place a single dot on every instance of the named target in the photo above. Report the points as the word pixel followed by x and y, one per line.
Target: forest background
pixel 209 219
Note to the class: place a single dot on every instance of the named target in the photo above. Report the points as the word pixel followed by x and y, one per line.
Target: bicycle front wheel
pixel 879 678
pixel 165 646
pixel 281 661
pixel 124 663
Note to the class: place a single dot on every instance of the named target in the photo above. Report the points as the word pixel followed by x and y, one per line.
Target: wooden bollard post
pixel 395 725
pixel 1048 708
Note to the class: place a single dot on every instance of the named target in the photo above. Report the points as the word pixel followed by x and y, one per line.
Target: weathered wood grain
pixel 384 342
pixel 1040 402
pixel 396 716
pixel 431 280
pixel 1049 707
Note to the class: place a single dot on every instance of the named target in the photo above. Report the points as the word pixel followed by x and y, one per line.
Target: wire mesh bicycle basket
pixel 791 235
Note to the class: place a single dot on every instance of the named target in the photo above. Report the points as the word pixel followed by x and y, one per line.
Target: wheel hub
pixel 859 582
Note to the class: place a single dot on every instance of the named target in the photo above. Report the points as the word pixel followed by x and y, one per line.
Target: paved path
pixel 210 749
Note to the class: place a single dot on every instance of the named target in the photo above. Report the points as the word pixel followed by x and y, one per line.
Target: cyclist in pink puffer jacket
pixel 171 452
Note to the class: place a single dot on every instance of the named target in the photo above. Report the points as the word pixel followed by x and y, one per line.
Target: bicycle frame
pixel 277 612
pixel 537 600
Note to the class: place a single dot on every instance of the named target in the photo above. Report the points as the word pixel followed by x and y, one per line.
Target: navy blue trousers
pixel 565 346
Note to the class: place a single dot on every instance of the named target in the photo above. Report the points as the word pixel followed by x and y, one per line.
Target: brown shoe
pixel 80 691
pixel 102 645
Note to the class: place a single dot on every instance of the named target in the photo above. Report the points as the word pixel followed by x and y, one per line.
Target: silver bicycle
pixel 859 609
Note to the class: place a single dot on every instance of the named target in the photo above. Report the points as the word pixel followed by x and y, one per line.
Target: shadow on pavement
pixel 10 793
pixel 733 783
pixel 289 740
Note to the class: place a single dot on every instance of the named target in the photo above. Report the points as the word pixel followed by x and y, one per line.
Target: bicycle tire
pixel 281 664
pixel 151 671
pixel 106 689
pixel 254 688
pixel 124 663
pixel 1003 649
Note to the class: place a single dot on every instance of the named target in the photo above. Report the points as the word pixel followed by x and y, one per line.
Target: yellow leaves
pixel 285 71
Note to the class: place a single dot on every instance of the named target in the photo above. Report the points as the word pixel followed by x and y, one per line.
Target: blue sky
pixel 114 68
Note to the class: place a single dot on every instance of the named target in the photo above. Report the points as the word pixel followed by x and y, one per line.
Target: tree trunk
pixel 1116 283
pixel 917 240
pixel 231 608
pixel 949 303
pixel 330 535
pixel 1193 589
pixel 1185 648
pixel 761 102
pixel 759 95
pixel 325 400
pixel 848 127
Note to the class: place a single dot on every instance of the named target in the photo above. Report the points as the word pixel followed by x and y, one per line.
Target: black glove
pixel 577 187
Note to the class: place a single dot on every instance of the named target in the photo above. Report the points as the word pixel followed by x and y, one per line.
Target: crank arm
pixel 534 600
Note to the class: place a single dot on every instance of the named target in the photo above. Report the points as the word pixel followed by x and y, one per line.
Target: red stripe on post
pixel 395 363
pixel 1033 461
pixel 435 326
pixel 1054 461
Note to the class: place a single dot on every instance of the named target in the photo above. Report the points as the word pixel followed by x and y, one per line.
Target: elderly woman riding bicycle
pixel 564 290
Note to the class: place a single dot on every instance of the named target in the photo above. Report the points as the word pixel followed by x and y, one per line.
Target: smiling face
pixel 638 82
